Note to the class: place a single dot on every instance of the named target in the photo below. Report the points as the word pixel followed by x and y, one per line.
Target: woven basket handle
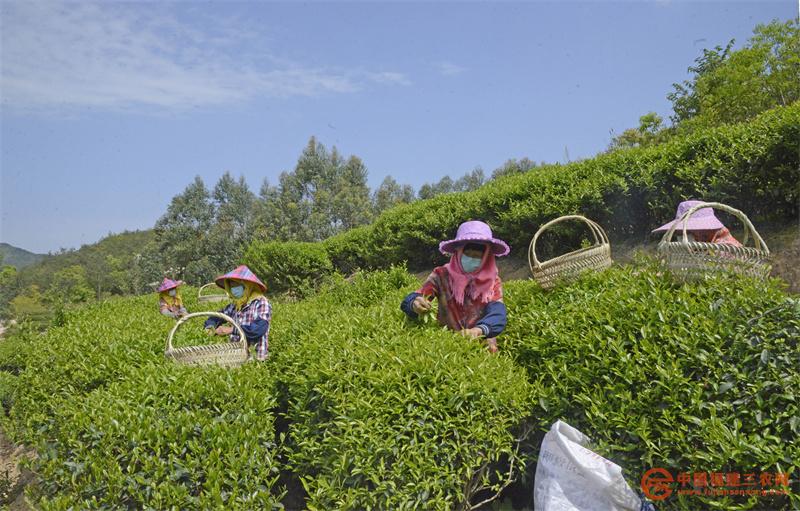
pixel 597 232
pixel 220 315
pixel 750 230
pixel 200 291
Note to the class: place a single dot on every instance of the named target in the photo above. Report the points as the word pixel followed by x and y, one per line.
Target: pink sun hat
pixel 474 232
pixel 701 220
pixel 240 273
pixel 168 284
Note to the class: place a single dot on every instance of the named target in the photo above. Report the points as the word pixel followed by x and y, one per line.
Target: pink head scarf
pixel 479 284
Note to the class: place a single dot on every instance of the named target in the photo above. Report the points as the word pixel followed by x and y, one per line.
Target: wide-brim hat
pixel 168 284
pixel 240 273
pixel 474 232
pixel 701 220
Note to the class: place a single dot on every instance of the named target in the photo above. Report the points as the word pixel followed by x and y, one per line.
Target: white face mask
pixel 237 291
pixel 172 292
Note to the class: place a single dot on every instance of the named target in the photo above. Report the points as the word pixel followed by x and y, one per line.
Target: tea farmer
pixel 249 308
pixel 703 225
pixel 169 299
pixel 468 288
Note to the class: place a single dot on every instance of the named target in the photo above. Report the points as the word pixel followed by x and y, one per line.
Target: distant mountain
pixel 18 257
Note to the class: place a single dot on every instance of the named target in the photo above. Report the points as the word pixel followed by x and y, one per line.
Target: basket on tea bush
pixel 226 354
pixel 694 259
pixel 210 297
pixel 570 265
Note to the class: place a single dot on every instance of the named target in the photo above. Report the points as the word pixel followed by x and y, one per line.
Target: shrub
pixel 754 166
pixel 292 266
pixel 696 377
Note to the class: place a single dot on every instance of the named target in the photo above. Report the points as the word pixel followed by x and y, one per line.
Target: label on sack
pixel 571 477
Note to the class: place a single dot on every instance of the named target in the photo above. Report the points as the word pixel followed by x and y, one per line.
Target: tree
pixel 232 229
pixel 70 285
pixel 181 231
pixel 428 191
pixel 470 181
pixel 8 288
pixel 731 86
pixel 650 131
pixel 513 166
pixel 390 193
pixel 324 195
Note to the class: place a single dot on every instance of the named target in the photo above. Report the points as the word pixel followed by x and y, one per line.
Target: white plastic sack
pixel 570 477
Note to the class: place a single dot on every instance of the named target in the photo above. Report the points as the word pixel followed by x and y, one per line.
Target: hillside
pixel 359 408
pixel 18 257
pixel 114 253
pixel 753 166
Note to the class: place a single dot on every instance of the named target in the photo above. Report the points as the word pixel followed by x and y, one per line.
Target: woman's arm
pixel 494 320
pixel 429 288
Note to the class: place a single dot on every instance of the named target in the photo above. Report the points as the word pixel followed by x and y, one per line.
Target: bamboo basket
pixel 227 354
pixel 569 266
pixel 210 298
pixel 689 260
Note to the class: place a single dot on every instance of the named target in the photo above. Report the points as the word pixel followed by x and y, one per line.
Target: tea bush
pixel 694 377
pixel 288 266
pixel 753 166
pixel 386 414
pixel 369 410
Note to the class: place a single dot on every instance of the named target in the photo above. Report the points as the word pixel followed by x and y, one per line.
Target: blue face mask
pixel 237 291
pixel 470 264
pixel 172 292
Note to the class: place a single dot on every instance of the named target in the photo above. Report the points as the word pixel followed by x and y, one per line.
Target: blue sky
pixel 110 109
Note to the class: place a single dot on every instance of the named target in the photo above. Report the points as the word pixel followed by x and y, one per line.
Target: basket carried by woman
pixel 570 265
pixel 690 259
pixel 225 354
pixel 212 297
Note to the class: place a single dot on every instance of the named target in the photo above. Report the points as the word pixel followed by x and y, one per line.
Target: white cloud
pixel 389 77
pixel 119 56
pixel 450 69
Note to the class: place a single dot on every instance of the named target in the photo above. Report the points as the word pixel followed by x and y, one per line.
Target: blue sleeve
pixel 256 329
pixel 214 322
pixel 405 305
pixel 494 319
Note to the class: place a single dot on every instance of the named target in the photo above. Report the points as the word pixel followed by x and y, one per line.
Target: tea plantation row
pixel 753 166
pixel 368 410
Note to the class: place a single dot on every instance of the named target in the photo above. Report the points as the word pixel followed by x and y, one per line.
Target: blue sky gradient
pixel 108 110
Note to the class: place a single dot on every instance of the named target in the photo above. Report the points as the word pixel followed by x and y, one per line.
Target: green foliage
pixel 324 195
pixel 386 414
pixel 752 166
pixel 734 85
pixel 696 377
pixel 371 410
pixel 8 288
pixel 650 131
pixel 70 285
pixel 293 266
pixel 117 264
pixel 167 438
pixel 203 233
pixel 17 257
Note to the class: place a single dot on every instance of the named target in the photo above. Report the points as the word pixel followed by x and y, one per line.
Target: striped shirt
pixel 254 318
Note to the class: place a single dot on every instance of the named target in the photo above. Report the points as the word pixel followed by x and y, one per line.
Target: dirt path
pixel 13 478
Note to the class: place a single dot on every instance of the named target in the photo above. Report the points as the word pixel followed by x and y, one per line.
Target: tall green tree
pixel 390 193
pixel 650 131
pixel 734 85
pixel 324 194
pixel 181 233
pixel 234 218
